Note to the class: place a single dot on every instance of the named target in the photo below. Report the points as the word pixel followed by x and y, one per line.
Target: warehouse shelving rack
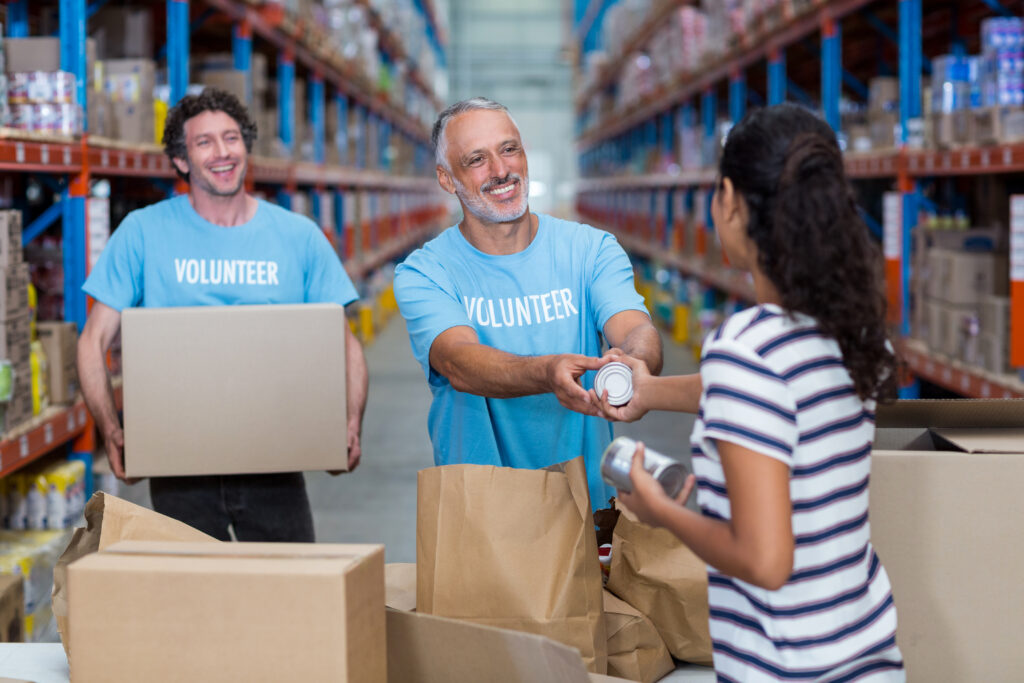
pixel 69 165
pixel 641 208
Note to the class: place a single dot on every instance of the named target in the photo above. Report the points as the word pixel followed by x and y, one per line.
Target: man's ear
pixel 445 180
pixel 180 164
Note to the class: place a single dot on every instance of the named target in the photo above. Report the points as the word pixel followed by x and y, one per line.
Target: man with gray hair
pixel 507 310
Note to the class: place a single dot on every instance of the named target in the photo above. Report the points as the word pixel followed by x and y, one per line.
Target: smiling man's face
pixel 217 158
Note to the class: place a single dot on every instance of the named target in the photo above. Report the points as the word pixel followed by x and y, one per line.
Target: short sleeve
pixel 117 278
pixel 745 402
pixel 326 281
pixel 430 305
pixel 612 288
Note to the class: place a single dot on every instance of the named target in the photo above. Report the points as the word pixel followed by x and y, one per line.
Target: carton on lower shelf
pixel 234 389
pixel 12 609
pixel 945 510
pixel 59 343
pixel 175 611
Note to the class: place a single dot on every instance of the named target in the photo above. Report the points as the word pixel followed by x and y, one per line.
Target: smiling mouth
pixel 223 169
pixel 503 190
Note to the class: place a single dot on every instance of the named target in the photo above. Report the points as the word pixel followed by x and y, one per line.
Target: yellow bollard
pixel 366 324
pixel 681 324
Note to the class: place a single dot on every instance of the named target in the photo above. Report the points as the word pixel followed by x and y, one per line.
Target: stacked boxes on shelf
pixel 59 341
pixel 129 84
pixel 14 316
pixel 41 97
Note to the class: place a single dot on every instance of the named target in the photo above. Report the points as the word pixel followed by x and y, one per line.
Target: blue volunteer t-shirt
pixel 553 297
pixel 168 255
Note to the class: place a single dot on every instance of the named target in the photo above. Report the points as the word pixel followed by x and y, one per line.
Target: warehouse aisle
pixel 377 502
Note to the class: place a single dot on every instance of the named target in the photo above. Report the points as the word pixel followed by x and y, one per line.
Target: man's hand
pixel 114 445
pixel 355 450
pixel 564 373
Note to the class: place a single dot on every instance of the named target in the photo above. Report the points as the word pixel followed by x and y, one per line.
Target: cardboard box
pixel 130 80
pixel 945 504
pixel 12 609
pixel 952 129
pixel 966 278
pixel 993 352
pixel 994 315
pixel 172 611
pixel 123 32
pixel 998 125
pixel 953 327
pixel 60 340
pixel 11 252
pixel 134 122
pixel 16 340
pixel 884 94
pixel 14 281
pixel 41 54
pixel 882 126
pixel 231 80
pixel 234 389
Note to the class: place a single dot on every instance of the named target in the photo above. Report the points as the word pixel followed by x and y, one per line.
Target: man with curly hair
pixel 177 253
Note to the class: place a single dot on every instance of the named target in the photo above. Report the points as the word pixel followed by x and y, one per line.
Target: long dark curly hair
pixel 811 242
pixel 210 99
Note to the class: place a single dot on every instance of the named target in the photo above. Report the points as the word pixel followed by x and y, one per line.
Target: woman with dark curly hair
pixel 785 404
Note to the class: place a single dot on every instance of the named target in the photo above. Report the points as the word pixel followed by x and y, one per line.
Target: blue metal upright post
pixel 178 35
pixel 910 107
pixel 286 99
pixel 831 71
pixel 17 19
pixel 384 144
pixel 777 76
pixel 668 133
pixel 241 50
pixel 339 220
pixel 316 116
pixel 72 44
pixel 341 139
pixel 737 96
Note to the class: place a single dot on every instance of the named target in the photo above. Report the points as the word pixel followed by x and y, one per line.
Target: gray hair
pixel 437 136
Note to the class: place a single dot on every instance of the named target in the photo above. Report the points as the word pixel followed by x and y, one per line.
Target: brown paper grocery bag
pixel 514 549
pixel 654 572
pixel 635 650
pixel 108 520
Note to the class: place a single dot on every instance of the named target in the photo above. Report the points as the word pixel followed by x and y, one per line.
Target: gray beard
pixel 479 207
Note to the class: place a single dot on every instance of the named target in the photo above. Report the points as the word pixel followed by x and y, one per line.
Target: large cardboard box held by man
pixel 946 511
pixel 172 611
pixel 234 389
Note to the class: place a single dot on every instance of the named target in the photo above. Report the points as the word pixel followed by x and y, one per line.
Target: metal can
pixel 618 459
pixel 617 379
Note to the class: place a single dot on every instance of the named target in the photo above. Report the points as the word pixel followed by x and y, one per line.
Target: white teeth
pixel 221 169
pixel 502 190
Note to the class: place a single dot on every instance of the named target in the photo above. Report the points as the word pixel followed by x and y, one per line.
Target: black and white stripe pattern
pixel 774 384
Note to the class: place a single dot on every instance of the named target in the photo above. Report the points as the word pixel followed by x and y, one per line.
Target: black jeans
pixel 260 507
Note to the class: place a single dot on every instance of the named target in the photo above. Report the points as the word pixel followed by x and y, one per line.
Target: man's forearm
pixel 96 388
pixel 357 379
pixel 485 371
pixel 644 343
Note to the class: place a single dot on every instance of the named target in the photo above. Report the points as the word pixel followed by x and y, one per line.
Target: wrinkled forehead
pixel 479 129
pixel 210 122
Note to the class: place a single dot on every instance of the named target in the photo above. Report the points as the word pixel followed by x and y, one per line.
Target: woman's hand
pixel 648 500
pixel 635 408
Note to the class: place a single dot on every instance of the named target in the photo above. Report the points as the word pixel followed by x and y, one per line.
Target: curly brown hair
pixel 211 99
pixel 812 244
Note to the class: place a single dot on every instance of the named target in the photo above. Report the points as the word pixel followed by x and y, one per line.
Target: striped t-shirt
pixel 774 384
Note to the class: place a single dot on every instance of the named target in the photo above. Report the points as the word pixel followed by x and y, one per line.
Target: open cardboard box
pixel 429 649
pixel 947 510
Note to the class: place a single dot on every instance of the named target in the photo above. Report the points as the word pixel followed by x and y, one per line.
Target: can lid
pixel 617 379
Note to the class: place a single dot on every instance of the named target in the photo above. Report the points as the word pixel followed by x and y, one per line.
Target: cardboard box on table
pixel 946 511
pixel 234 389
pixel 59 341
pixel 161 611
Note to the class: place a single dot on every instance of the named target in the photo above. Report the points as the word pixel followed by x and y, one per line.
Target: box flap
pixel 960 412
pixel 400 585
pixel 984 440
pixel 429 649
pixel 315 551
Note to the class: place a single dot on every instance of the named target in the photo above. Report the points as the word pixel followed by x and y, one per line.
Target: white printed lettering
pixel 250 272
pixel 494 318
pixel 523 310
pixel 470 306
pixel 261 272
pixel 216 271
pixel 227 272
pixel 192 271
pixel 202 273
pixel 547 307
pixel 179 268
pixel 567 298
pixel 272 273
pixel 536 308
pixel 510 319
pixel 480 315
pixel 556 304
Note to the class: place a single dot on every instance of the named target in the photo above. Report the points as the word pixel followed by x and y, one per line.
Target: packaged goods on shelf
pixel 32 556
pixel 59 340
pixel 1001 66
pixel 39 368
pixel 10 238
pixel 130 84
pixel 45 497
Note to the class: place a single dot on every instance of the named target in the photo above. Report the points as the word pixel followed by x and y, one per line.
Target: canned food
pixel 618 459
pixel 617 379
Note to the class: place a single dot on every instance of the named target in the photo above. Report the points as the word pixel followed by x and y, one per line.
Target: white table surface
pixel 46 663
